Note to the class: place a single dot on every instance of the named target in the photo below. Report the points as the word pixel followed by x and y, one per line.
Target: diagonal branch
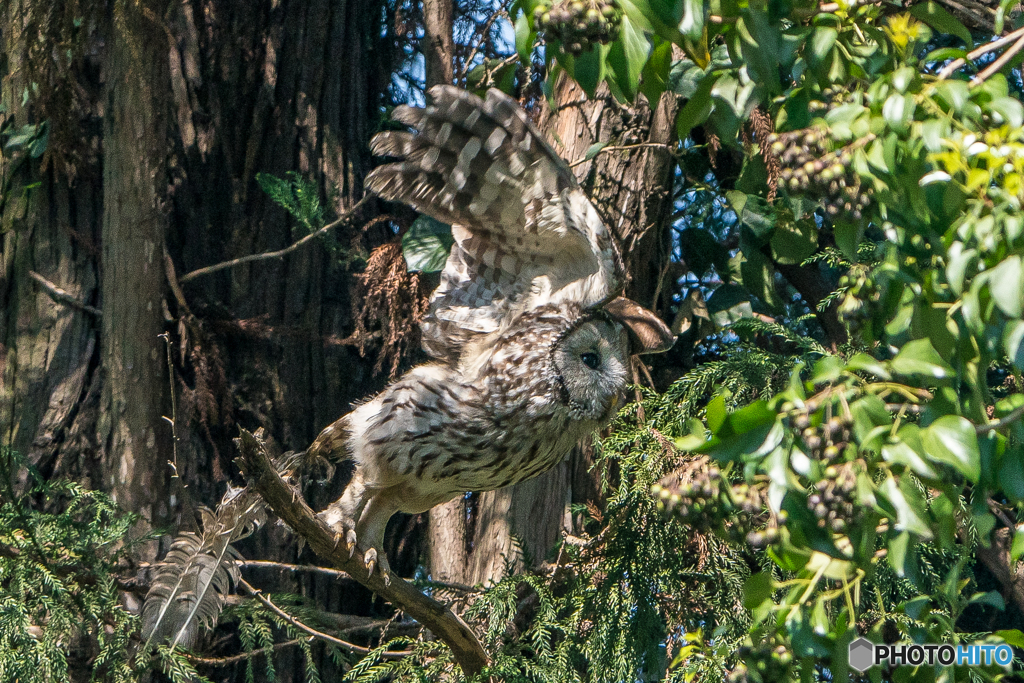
pixel 62 297
pixel 280 252
pixel 284 500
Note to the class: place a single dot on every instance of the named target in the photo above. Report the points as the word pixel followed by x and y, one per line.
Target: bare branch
pixel 293 510
pixel 948 70
pixel 234 659
pixel 62 297
pixel 276 254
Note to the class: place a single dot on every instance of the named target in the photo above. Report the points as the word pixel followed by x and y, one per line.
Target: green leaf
pixel 1017 548
pixel 908 451
pixel 627 57
pixel 655 77
pixel 822 42
pixel 588 69
pixel 525 37
pixel 951 439
pixel 794 241
pixel 1006 282
pixel 992 598
pixel 908 516
pixel 593 150
pixel 898 111
pixel 695 436
pixel 1012 636
pixel 939 19
pixel 864 363
pixel 426 244
pixel 1008 109
pixel 919 357
pixel 759 277
pixel 692 23
pixel 898 550
pixel 716 413
pixel 756 589
pixel 697 108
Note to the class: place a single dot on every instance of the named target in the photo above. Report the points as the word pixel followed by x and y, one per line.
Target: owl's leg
pixel 342 514
pixel 370 532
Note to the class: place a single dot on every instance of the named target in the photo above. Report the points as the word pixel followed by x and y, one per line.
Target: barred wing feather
pixel 525 233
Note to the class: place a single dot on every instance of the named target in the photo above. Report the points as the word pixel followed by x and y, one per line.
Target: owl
pixel 530 341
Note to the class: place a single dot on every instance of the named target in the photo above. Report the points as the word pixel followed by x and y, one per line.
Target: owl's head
pixel 591 363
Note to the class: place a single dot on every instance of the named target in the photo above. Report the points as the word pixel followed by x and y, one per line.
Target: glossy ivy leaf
pixel 627 57
pixel 951 439
pixel 426 245
pixel 937 17
pixel 919 357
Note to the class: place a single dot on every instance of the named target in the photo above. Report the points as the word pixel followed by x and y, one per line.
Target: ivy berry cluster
pixel 578 24
pixel 809 167
pixel 707 499
pixel 766 662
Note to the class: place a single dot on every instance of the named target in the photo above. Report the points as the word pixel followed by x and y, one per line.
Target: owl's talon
pixel 350 542
pixel 370 560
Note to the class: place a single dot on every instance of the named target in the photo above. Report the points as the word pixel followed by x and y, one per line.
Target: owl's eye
pixel 591 360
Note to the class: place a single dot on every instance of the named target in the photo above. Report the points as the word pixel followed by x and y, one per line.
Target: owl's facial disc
pixel 592 362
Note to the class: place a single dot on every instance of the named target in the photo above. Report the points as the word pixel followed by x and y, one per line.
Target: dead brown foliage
pixel 393 304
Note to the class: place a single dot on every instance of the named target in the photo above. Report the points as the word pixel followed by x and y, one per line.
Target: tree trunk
pixel 474 538
pixel 134 437
pixel 196 98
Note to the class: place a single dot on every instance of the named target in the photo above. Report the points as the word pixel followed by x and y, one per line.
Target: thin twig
pixel 267 564
pixel 343 644
pixel 173 419
pixel 482 32
pixel 276 254
pixel 948 70
pixel 999 424
pixel 235 659
pixel 620 148
pixel 62 297
pixel 998 63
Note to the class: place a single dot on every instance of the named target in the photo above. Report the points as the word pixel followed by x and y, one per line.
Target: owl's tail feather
pixel 331 444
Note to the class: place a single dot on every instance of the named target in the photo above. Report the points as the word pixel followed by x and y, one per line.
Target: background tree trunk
pixel 135 440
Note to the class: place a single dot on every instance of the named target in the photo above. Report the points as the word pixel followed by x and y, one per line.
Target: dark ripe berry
pixel 857 215
pixel 813 500
pixel 832 210
pixel 820 511
pixel 802 422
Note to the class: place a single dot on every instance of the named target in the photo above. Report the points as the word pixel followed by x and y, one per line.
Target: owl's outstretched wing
pixel 525 233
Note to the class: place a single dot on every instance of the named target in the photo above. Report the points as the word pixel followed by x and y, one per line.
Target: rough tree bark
pixel 188 101
pixel 135 439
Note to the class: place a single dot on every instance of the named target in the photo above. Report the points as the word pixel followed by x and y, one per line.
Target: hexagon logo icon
pixel 862 654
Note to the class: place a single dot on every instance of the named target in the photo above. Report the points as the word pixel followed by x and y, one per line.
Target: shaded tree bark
pixel 134 438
